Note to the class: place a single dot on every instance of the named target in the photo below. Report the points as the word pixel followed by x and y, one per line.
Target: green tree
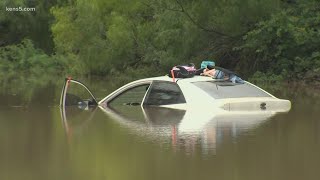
pixel 24 68
pixel 34 25
pixel 109 36
pixel 287 44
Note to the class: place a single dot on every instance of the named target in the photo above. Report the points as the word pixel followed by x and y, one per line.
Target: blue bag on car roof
pixel 204 64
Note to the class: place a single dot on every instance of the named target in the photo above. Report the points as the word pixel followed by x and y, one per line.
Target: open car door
pixel 75 93
pixel 77 107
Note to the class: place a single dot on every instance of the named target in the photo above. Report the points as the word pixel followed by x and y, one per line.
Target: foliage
pixel 287 44
pixel 148 37
pixel 34 25
pixel 24 68
pixel 268 81
pixel 110 36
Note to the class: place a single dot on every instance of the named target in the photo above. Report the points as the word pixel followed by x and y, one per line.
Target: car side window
pixel 132 96
pixel 164 93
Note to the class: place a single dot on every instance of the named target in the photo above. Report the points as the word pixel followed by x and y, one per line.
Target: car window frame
pixel 150 88
pixel 124 89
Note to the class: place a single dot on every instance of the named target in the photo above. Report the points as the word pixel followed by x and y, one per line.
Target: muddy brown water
pixel 38 141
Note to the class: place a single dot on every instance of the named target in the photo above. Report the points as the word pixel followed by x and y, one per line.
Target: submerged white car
pixel 199 93
pixel 155 106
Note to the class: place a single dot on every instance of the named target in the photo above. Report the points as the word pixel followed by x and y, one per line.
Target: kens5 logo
pixel 20 9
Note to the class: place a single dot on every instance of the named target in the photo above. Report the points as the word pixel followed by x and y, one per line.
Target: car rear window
pixel 225 89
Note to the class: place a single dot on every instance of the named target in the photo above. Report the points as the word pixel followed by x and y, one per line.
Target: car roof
pixel 179 80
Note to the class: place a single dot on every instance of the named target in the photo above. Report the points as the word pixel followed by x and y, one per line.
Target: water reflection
pixel 75 119
pixel 187 131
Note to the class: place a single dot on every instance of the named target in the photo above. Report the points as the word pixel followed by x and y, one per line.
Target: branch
pixel 197 23
pixel 183 10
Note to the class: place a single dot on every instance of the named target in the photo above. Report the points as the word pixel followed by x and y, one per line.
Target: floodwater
pixel 41 141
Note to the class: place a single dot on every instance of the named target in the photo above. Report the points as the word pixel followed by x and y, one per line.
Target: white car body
pixel 201 108
pixel 199 100
pixel 233 104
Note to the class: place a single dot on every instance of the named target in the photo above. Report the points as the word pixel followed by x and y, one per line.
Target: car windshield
pixel 225 89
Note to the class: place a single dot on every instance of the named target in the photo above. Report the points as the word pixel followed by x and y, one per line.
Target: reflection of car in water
pixel 198 107
pixel 180 128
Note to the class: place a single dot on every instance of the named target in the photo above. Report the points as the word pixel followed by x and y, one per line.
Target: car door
pixel 75 93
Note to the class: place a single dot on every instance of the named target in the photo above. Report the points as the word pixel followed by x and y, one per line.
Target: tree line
pixel 279 39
